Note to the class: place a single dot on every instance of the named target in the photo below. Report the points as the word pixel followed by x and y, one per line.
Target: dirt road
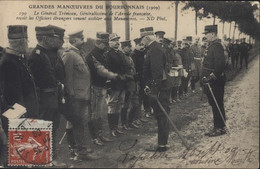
pixel 193 118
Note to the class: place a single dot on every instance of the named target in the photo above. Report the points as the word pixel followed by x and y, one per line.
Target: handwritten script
pixel 131 157
pixel 218 153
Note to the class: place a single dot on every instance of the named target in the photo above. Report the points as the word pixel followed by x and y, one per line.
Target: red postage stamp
pixel 30 142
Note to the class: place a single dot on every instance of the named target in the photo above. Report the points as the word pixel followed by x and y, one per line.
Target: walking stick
pixel 173 125
pixel 62 137
pixel 212 94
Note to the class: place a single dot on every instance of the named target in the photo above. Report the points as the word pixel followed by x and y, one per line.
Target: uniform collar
pixel 214 41
pixel 14 52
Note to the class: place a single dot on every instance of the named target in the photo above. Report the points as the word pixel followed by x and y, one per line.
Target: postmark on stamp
pixel 30 142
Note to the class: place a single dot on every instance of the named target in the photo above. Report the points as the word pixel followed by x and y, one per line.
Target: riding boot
pixel 124 116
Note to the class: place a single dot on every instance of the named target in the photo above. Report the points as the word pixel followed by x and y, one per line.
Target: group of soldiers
pixel 110 82
pixel 237 52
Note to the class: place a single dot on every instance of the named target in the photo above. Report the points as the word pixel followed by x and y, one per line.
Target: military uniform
pixel 186 56
pixel 196 65
pixel 17 80
pixel 236 53
pixel 154 67
pixel 132 89
pixel 244 48
pixel 116 63
pixel 213 70
pixel 97 63
pixel 77 86
pixel 48 70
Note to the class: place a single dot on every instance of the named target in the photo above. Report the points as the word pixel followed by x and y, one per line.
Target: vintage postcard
pixel 129 84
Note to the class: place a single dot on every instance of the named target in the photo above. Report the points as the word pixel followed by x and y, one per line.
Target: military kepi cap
pixel 210 28
pixel 17 31
pixel 50 30
pixel 102 36
pixel 113 36
pixel 146 31
pixel 126 43
pixel 189 38
pixel 77 34
pixel 159 33
pixel 137 41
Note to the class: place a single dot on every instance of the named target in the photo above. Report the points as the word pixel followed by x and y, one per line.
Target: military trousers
pixel 98 103
pixel 184 84
pixel 218 91
pixel 244 57
pixel 162 121
pixel 132 103
pixel 116 100
pixel 79 109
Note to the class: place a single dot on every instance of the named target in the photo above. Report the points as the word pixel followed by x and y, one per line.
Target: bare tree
pixel 108 17
pixel 176 20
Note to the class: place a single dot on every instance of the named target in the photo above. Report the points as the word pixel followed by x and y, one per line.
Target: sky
pixel 9 10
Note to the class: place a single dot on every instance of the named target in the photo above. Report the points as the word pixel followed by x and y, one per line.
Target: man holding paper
pixel 18 83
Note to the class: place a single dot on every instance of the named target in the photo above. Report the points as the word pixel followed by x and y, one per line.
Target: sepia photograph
pixel 129 84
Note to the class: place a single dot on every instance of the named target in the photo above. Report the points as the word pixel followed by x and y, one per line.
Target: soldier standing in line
pixel 186 56
pixel 116 63
pixel 138 58
pixel 131 96
pixel 154 75
pixel 177 72
pixel 48 70
pixel 17 83
pixel 77 87
pixel 236 53
pixel 97 63
pixel 244 48
pixel 213 72
pixel 196 71
pixel 17 80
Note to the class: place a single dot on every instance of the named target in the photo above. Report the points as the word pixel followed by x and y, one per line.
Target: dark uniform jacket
pixel 131 85
pixel 18 83
pixel 78 80
pixel 244 48
pixel 117 63
pixel 138 58
pixel 98 54
pixel 48 70
pixel 187 58
pixel 154 67
pixel 214 61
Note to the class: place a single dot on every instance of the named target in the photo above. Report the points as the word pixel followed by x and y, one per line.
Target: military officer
pixel 154 75
pixel 132 89
pixel 187 57
pixel 196 71
pixel 77 86
pixel 17 83
pixel 97 63
pixel 159 35
pixel 138 58
pixel 244 48
pixel 117 63
pixel 48 70
pixel 213 73
pixel 17 80
pixel 236 53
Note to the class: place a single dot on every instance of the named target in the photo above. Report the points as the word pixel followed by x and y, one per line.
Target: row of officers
pixel 83 86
